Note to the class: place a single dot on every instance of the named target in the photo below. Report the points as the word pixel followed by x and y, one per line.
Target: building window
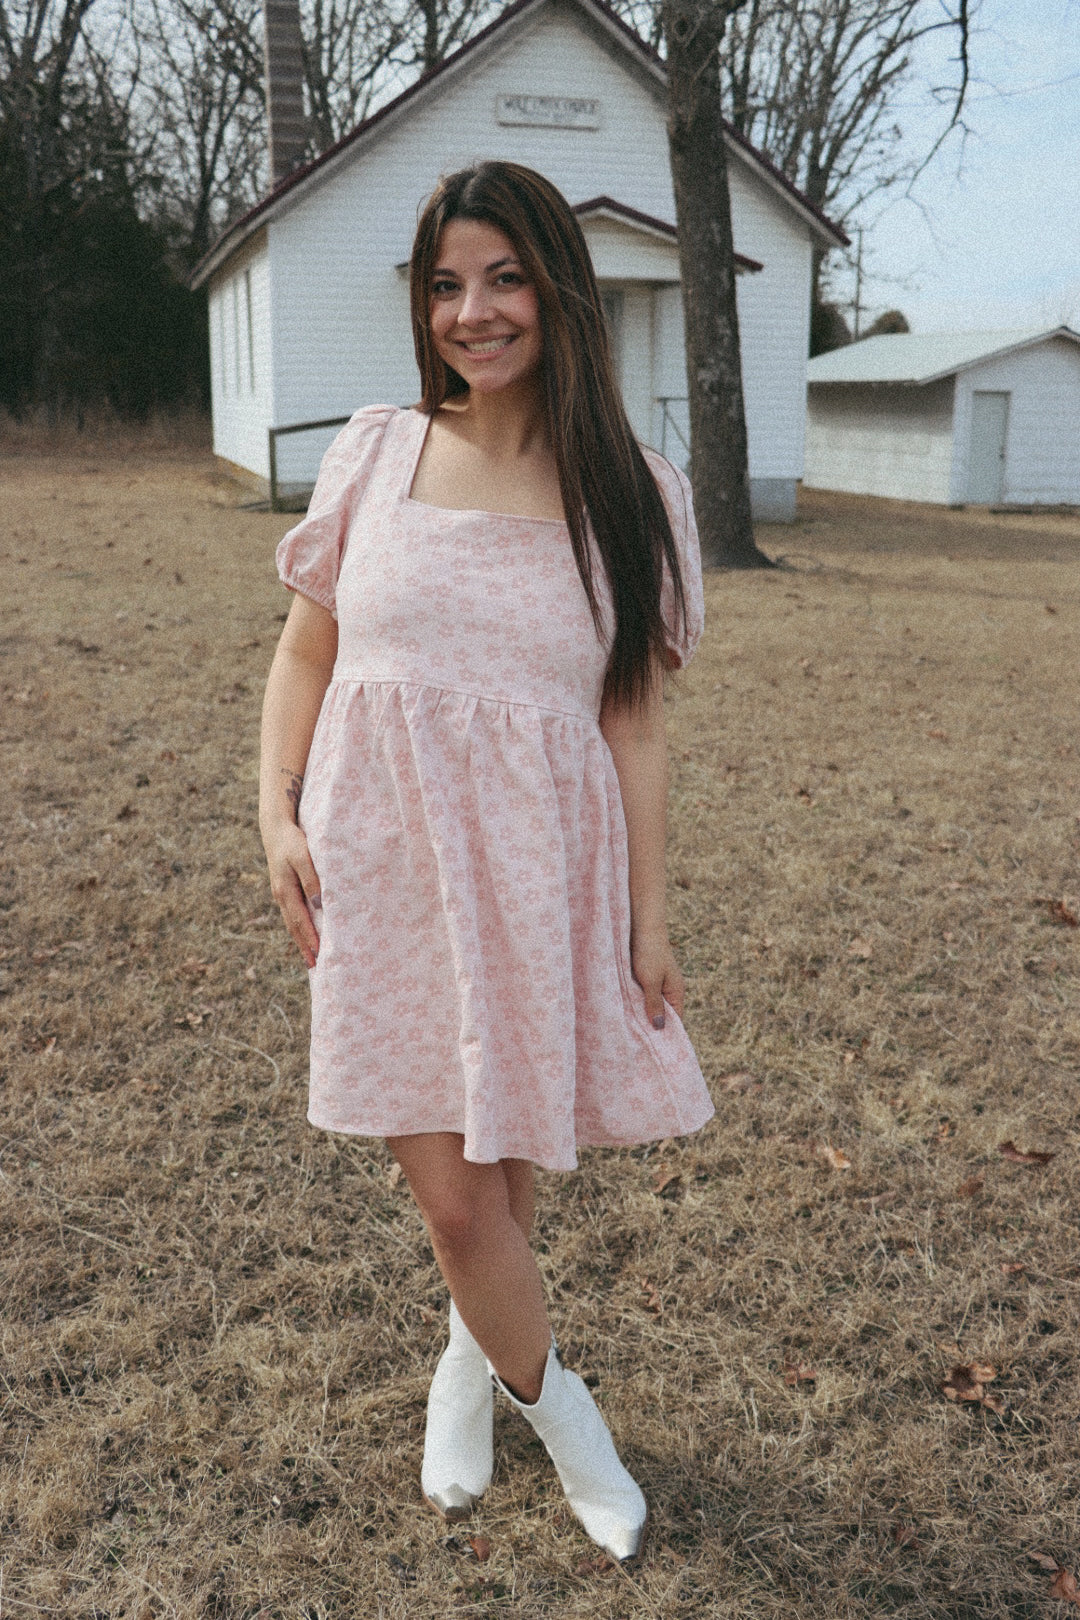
pixel 612 300
pixel 250 330
pixel 236 329
pixel 223 374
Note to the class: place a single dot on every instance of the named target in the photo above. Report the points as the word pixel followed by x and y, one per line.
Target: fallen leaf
pixel 167 756
pixel 600 1565
pixel 1009 1150
pixel 945 1129
pixel 38 957
pixel 861 948
pixel 1064 1587
pixel 481 1546
pixel 394 1174
pixel 905 1535
pixel 796 1373
pixel 995 1403
pixel 50 1047
pixel 805 795
pixel 667 1179
pixel 967 1381
pixel 1044 1561
pixel 1060 911
pixel 1011 1268
pixel 652 1300
pixel 834 1157
pixel 968 1189
pixel 938 735
pixel 741 1080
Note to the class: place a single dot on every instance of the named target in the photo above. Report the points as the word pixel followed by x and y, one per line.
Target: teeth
pixel 489 347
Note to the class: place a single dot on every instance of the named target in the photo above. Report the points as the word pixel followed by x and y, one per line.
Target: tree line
pixel 132 131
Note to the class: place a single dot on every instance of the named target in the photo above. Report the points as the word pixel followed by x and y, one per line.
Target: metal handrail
pixel 275 433
pixel 664 400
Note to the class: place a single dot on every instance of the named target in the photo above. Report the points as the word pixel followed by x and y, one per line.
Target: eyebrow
pixel 488 269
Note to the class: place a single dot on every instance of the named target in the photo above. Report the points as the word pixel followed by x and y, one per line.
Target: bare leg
pixel 521 1191
pixel 477 1215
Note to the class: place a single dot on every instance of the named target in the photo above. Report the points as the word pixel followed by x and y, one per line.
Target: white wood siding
pixel 240 369
pixel 774 325
pixel 881 439
pixel 1042 447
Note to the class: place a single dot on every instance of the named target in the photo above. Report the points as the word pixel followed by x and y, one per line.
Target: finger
pixel 304 933
pixel 293 904
pixel 309 879
pixel 654 1002
pixel 675 991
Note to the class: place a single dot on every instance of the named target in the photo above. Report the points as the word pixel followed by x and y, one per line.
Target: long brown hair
pixel 603 476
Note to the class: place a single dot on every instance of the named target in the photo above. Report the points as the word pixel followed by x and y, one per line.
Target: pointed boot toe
pixel 603 1494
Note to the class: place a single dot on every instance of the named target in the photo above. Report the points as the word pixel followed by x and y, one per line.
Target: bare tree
pixel 814 84
pixel 693 32
pixel 352 49
pixel 440 26
pixel 202 100
pixel 60 127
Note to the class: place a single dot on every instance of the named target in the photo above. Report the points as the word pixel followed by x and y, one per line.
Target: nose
pixel 476 304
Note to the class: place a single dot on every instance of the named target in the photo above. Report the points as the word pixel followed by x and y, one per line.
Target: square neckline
pixel 462 511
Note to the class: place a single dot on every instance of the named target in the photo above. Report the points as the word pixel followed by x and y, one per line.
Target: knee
pixel 457 1223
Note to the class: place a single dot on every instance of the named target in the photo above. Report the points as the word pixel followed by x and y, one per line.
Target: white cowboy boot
pixel 598 1487
pixel 458 1449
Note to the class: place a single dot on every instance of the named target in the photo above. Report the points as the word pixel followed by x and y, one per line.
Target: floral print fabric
pixel 464 816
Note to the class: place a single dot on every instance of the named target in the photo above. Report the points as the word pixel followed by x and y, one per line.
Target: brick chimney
pixel 288 127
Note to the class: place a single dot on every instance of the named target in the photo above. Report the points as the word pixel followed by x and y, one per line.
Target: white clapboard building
pixel 980 417
pixel 308 297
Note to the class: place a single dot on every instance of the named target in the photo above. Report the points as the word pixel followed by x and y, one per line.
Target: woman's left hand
pixel 659 976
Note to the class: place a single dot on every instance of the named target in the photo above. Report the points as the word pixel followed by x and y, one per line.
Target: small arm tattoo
pixel 292 792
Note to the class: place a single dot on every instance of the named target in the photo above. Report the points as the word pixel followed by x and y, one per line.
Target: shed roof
pixel 641 55
pixel 922 357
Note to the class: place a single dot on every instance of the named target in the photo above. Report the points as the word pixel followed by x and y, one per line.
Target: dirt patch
pixel 218 1324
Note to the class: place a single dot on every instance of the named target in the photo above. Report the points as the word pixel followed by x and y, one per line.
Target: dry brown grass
pixel 217 1325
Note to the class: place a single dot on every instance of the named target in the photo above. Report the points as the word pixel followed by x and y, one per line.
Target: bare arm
pixel 299 676
pixel 638 742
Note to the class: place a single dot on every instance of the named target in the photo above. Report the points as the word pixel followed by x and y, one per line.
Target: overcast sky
pixel 996 244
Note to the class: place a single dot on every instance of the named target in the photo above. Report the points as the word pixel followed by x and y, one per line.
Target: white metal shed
pixel 309 308
pixel 982 417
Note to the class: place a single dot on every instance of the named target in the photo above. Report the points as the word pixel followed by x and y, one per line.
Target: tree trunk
pixel 693 30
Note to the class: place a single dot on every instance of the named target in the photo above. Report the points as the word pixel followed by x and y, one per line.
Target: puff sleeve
pixel 682 638
pixel 309 556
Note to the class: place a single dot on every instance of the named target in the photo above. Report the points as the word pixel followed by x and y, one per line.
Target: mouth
pixel 489 345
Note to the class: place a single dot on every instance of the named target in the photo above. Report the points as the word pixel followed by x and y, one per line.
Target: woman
pixel 463 796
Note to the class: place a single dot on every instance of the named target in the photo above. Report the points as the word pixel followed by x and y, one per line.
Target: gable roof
pixel 910 357
pixel 635 51
pixel 608 208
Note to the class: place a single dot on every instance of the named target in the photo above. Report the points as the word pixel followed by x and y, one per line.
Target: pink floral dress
pixel 464 816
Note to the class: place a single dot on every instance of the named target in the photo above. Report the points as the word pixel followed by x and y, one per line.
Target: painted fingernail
pixel 658 1021
pixel 316 902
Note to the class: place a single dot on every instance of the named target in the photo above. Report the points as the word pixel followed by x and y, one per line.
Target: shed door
pixel 986 469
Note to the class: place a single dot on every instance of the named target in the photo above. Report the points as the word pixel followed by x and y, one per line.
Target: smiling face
pixel 485 315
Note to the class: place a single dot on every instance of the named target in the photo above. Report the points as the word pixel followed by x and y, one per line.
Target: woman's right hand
pixel 295 885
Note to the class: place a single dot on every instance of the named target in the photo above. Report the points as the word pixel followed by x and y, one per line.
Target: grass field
pixel 218 1325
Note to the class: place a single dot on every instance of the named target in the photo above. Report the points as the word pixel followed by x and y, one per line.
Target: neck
pixel 511 422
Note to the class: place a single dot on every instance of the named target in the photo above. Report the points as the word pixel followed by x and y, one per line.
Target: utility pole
pixel 857 313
